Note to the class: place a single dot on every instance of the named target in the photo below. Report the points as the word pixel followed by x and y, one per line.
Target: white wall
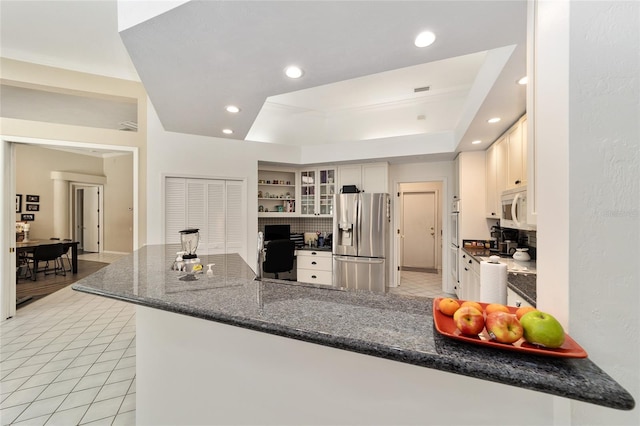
pixel 588 144
pixel 118 201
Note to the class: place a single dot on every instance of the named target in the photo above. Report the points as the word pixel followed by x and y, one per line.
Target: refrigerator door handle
pixel 351 259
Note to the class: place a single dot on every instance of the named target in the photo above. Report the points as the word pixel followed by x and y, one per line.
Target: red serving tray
pixel 445 326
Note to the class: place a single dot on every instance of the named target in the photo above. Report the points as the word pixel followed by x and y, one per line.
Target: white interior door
pixel 419 230
pixel 91 219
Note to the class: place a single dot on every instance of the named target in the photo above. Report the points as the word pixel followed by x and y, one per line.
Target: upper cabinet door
pixel 317 187
pixel 308 180
pixel 370 177
pixel 517 155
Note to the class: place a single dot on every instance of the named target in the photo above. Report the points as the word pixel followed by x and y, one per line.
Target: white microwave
pixel 513 213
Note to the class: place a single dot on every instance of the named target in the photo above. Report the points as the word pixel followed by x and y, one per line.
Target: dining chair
pixel 66 246
pixel 48 253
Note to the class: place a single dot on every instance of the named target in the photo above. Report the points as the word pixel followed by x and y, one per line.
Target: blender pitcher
pixel 189 239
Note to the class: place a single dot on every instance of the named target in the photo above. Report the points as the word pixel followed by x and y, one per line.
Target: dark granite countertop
pixel 397 328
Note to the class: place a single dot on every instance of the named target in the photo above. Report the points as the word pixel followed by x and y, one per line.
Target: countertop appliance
pixel 513 213
pixel 361 241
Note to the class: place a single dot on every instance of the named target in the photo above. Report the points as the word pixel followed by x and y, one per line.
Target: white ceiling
pixel 359 59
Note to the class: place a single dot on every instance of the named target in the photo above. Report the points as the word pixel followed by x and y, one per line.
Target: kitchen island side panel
pixel 194 371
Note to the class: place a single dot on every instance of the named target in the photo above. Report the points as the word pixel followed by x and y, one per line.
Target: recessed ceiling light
pixel 293 72
pixel 523 80
pixel 227 131
pixel 232 108
pixel 425 38
pixel 493 120
pixel 476 142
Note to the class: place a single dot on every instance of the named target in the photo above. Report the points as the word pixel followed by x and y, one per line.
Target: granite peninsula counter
pixel 215 340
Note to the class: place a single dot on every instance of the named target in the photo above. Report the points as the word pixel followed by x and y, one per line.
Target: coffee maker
pixel 506 239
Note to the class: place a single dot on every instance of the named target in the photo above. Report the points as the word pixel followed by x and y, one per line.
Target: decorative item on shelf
pixel 260 209
pixel 268 182
pixel 288 182
pixel 266 195
pixel 259 194
pixel 266 210
pixel 280 209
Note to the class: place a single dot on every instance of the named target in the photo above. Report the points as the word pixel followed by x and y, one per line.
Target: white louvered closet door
pixel 216 215
pixel 216 207
pixel 175 208
pixel 236 212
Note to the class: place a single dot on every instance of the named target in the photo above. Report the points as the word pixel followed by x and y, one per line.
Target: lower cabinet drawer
pixel 314 262
pixel 314 277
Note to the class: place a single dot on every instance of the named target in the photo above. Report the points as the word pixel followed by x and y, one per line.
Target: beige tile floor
pixel 421 284
pixel 68 359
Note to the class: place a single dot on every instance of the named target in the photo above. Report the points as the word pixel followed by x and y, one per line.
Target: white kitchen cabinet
pixel 472 223
pixel 496 177
pixel 314 267
pixel 317 187
pixel 517 154
pixel 470 277
pixel 277 192
pixel 513 299
pixel 369 177
pixel 506 165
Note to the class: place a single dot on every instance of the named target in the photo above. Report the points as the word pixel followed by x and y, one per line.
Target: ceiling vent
pixel 130 126
pixel 421 89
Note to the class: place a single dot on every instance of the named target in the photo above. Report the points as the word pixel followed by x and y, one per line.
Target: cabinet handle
pixel 470 262
pixel 518 182
pixel 464 256
pixel 466 269
pixel 313 253
pixel 313 263
pixel 314 277
pixel 518 303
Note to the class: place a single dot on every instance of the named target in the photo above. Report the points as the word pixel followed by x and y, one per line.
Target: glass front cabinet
pixel 317 187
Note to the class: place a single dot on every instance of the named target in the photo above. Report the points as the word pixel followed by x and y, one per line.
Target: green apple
pixel 542 329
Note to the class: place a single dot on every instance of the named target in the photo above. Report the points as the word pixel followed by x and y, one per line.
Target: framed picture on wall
pixel 27 217
pixel 33 207
pixel 33 198
pixel 18 203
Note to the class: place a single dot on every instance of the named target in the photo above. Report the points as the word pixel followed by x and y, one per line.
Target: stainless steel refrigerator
pixel 361 241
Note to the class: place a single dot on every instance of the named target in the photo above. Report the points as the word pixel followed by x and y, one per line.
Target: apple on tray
pixel 542 329
pixel 469 320
pixel 504 327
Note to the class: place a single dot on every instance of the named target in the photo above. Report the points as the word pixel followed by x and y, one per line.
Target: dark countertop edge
pixel 323 248
pixel 621 399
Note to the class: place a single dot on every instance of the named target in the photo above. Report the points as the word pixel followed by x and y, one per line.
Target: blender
pixel 189 239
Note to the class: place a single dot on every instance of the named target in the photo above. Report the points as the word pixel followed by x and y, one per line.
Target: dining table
pixel 23 247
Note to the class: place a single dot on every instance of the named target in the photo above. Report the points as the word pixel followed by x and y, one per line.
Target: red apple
pixel 469 320
pixel 503 327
